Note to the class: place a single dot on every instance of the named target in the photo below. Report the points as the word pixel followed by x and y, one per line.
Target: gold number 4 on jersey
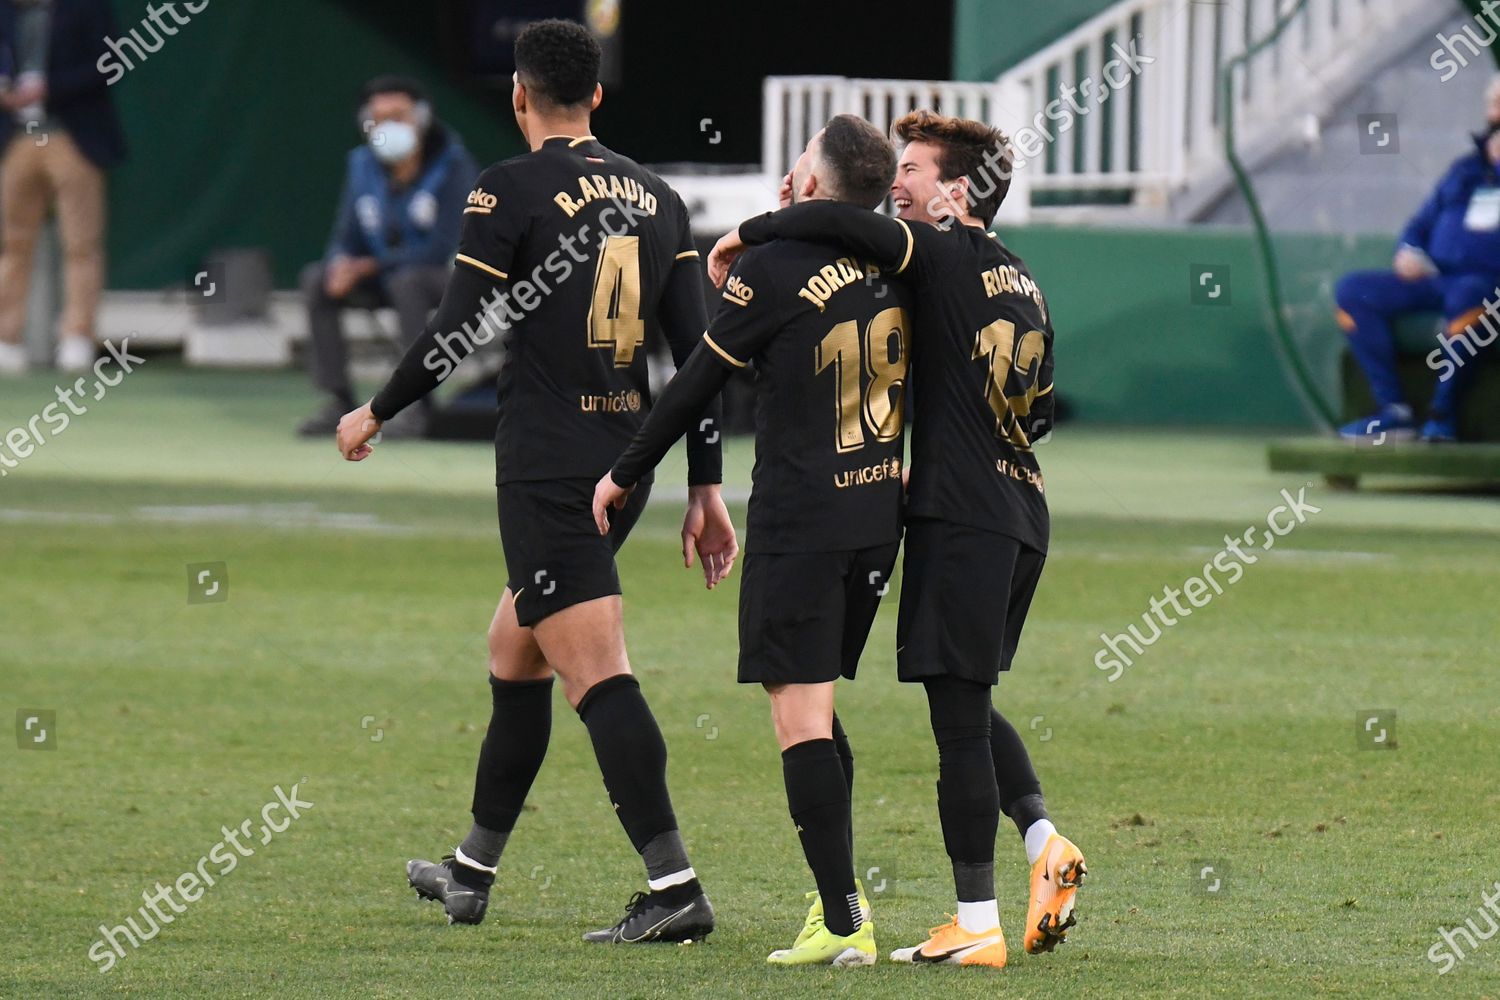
pixel 615 314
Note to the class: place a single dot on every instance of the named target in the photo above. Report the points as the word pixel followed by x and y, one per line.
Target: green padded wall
pixel 990 36
pixel 1133 348
pixel 238 130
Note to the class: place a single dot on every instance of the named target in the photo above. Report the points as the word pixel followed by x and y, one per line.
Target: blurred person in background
pixel 60 133
pixel 394 239
pixel 1448 261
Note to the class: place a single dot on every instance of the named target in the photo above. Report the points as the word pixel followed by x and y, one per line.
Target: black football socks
pixel 512 754
pixel 817 795
pixel 633 761
pixel 1020 790
pixel 846 759
pixel 968 797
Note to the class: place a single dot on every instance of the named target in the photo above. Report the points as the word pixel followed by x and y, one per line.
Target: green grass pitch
pixel 350 653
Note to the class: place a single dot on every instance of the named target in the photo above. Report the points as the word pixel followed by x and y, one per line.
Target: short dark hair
pixel 392 84
pixel 966 148
pixel 863 161
pixel 558 62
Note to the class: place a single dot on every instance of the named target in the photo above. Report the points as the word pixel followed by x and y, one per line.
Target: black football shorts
pixel 805 616
pixel 554 554
pixel 965 593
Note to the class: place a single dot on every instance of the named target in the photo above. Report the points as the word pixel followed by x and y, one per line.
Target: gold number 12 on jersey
pixel 615 313
pixel 997 343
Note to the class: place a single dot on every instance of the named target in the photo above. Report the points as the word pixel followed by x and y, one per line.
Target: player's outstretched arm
pixel 486 247
pixel 427 362
pixel 707 530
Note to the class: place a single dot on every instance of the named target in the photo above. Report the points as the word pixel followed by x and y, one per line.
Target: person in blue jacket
pixel 1448 261
pixel 395 236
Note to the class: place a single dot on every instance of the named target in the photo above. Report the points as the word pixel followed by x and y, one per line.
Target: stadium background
pixel 347 643
pixel 273 83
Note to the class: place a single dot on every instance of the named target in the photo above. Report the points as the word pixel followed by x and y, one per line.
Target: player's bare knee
pixel 514 665
pixel 578 683
pixel 801 712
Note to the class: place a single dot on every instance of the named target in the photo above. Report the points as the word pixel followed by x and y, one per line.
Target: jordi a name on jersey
pixel 832 277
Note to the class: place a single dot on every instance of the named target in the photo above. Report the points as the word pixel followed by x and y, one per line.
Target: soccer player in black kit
pixel 827 337
pixel 580 250
pixel 977 522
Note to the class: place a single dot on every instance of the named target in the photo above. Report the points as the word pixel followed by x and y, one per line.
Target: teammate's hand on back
pixel 723 256
pixel 607 494
pixel 707 530
pixel 355 430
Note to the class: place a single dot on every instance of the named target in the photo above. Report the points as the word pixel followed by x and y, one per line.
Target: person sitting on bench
pixel 393 244
pixel 1448 261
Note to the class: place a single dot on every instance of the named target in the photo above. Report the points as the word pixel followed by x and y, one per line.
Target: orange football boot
pixel 1055 879
pixel 950 944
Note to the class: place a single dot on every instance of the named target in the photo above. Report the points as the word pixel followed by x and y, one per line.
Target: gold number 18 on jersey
pixel 879 406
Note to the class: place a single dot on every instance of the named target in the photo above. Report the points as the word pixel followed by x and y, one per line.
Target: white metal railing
pixel 1128 105
pixel 796 107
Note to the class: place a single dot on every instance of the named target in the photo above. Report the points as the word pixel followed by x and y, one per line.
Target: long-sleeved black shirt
pixel 571 253
pixel 828 338
pixel 981 361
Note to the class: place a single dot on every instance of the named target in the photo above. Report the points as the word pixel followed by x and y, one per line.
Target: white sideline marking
pixel 259 515
pixel 1306 555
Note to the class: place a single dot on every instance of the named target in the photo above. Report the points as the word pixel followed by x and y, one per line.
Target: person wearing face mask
pixel 59 133
pixel 394 238
pixel 1448 261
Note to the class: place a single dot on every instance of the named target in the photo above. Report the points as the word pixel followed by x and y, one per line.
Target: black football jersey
pixel 593 251
pixel 981 363
pixel 828 337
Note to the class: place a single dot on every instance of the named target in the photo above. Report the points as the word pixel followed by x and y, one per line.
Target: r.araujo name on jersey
pixel 587 240
pixel 829 338
pixel 981 362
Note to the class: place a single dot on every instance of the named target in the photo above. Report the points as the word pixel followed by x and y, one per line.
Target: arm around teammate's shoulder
pixel 893 244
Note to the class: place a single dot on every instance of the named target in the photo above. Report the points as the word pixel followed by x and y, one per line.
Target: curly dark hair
pixel 863 162
pixel 966 149
pixel 558 62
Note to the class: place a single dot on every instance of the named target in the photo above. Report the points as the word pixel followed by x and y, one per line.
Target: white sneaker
pixel 76 354
pixel 12 359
